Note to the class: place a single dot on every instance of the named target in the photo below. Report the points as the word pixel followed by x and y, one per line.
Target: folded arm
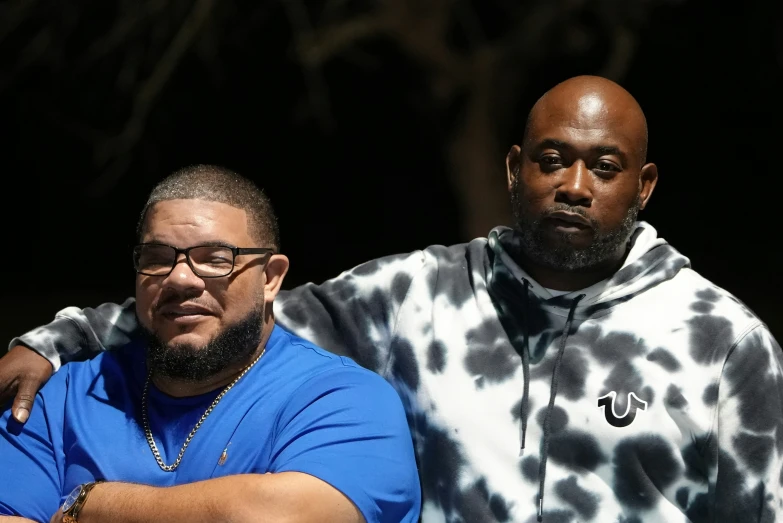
pixel 258 498
pixel 341 451
pixel 343 454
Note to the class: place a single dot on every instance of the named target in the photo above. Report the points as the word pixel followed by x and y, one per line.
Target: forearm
pixel 255 498
pixel 214 500
pixel 79 334
pixel 15 519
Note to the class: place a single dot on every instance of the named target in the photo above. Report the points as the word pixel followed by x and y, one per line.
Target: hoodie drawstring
pixel 523 410
pixel 552 395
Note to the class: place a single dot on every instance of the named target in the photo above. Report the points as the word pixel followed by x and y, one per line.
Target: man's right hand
pixel 22 372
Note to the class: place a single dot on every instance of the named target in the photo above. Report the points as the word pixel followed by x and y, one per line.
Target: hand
pixel 22 372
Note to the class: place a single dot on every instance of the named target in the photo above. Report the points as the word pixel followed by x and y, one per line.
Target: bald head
pixel 585 102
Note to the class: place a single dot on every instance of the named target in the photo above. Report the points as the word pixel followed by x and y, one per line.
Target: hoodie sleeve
pixel 750 432
pixel 79 334
pixel 355 313
pixel 352 315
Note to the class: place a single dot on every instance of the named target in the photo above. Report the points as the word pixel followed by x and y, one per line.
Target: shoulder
pixel 321 362
pixel 320 370
pixel 457 255
pixel 76 371
pixel 408 265
pixel 709 301
pixel 80 381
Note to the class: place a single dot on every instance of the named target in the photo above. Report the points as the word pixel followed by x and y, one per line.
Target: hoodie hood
pixel 650 261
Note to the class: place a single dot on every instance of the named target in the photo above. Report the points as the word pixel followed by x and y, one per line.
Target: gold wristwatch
pixel 75 502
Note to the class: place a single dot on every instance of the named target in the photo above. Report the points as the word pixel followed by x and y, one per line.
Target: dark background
pixel 373 177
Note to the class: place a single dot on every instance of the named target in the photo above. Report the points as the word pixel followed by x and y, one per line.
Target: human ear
pixel 648 178
pixel 513 163
pixel 275 271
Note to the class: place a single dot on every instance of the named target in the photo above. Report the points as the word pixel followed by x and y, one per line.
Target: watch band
pixel 72 514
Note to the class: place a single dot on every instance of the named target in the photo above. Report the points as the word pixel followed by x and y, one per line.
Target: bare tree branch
pixel 332 10
pixel 475 155
pixel 119 147
pixel 31 53
pixel 619 60
pixel 119 34
pixel 317 90
pixel 473 69
pixel 13 14
pixel 488 74
pixel 253 22
pixel 127 77
pixel 470 23
pixel 323 44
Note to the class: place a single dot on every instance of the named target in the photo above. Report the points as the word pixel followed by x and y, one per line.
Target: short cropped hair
pixel 218 184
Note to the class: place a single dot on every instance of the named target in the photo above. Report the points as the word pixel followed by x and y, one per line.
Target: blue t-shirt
pixel 299 409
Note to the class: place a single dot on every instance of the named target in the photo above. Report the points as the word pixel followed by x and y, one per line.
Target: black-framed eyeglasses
pixel 206 261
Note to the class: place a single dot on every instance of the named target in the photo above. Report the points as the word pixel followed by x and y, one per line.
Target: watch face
pixel 71 499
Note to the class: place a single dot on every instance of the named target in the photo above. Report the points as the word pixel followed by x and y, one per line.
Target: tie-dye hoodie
pixel 655 396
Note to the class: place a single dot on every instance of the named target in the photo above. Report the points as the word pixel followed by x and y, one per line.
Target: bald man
pixel 572 367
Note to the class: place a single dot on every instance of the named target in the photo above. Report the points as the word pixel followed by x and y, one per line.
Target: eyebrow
pixel 209 243
pixel 608 149
pixel 217 243
pixel 554 144
pixel 600 149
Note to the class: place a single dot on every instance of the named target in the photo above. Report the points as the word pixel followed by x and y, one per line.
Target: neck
pixel 570 281
pixel 183 388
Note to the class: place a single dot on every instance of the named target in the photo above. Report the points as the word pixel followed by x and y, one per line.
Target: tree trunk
pixel 477 164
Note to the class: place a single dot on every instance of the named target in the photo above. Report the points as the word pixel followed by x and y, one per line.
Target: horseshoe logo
pixel 606 402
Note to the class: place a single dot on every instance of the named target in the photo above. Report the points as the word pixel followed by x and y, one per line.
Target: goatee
pixel 185 362
pixel 560 254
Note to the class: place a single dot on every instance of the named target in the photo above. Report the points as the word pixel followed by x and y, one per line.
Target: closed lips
pixel 570 218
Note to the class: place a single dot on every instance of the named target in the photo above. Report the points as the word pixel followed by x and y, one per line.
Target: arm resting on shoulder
pixel 358 307
pixel 79 334
pixel 75 334
pixel 259 498
pixel 354 314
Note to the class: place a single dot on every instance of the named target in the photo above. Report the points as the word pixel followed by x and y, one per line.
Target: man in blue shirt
pixel 216 414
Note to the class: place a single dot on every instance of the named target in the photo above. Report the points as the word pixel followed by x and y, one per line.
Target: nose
pixel 575 187
pixel 182 279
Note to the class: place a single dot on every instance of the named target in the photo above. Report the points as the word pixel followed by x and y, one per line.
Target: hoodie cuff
pixel 58 341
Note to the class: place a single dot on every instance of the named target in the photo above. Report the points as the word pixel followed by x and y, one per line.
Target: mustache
pixel 564 207
pixel 179 299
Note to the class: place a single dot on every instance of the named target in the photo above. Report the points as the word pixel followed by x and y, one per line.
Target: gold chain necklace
pixel 146 421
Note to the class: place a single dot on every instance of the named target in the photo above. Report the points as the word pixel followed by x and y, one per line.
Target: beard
pixel 185 362
pixel 561 254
